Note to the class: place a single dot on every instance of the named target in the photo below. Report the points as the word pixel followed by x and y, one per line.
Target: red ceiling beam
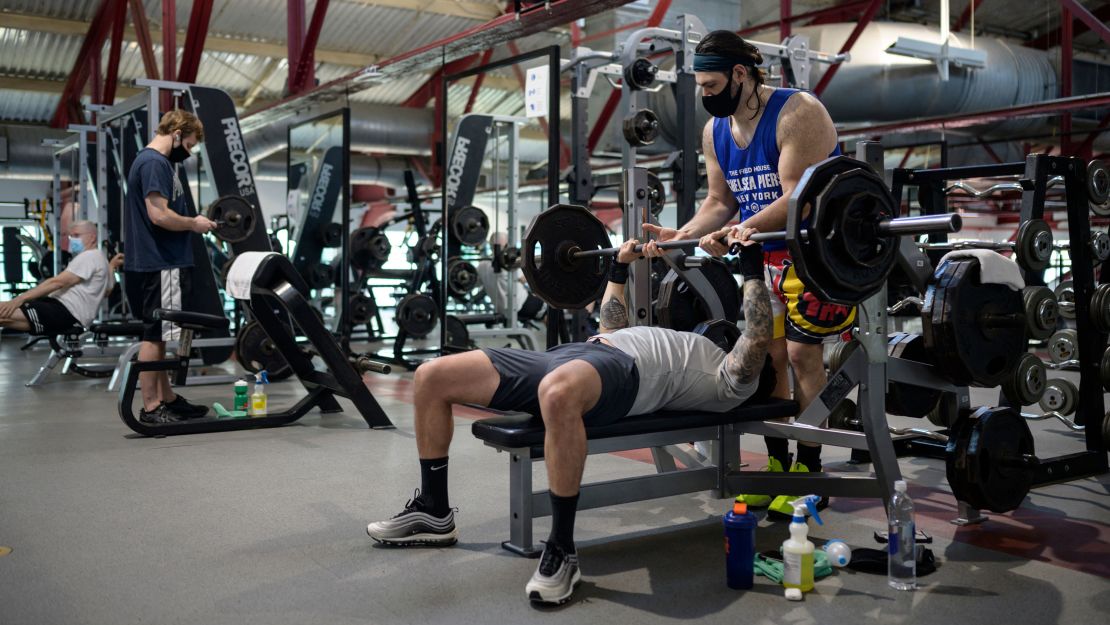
pixel 304 73
pixel 964 120
pixel 837 13
pixel 142 35
pixel 294 35
pixel 111 77
pixel 865 19
pixel 169 39
pixel 966 15
pixel 79 75
pixel 194 40
pixel 1047 40
pixel 1083 14
pixel 606 114
pixel 478 80
pixel 95 85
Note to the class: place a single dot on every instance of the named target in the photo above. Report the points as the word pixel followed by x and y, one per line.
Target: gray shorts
pixel 521 371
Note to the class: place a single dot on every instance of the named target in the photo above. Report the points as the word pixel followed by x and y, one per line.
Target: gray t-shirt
pixel 679 371
pixel 83 299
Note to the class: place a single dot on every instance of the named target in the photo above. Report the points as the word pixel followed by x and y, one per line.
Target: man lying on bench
pixel 622 371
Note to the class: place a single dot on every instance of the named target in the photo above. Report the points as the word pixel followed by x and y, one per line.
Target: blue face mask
pixel 76 246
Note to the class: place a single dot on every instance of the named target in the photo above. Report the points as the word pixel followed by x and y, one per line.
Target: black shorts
pixel 521 371
pixel 49 317
pixel 150 290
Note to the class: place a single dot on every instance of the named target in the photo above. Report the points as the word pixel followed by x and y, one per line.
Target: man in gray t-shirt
pixel 71 298
pixel 620 371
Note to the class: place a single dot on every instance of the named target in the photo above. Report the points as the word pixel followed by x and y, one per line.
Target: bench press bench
pixel 521 435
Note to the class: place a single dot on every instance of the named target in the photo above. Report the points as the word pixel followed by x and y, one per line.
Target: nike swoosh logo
pixel 442 466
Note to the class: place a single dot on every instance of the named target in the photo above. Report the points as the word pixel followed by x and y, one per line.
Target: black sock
pixel 562 521
pixel 810 456
pixel 779 449
pixel 433 485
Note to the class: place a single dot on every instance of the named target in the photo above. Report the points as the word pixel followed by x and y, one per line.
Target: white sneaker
pixel 414 526
pixel 556 576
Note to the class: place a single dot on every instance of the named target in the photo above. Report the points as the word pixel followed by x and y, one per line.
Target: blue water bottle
pixel 740 546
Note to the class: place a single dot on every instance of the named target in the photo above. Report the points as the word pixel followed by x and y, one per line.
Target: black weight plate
pixel 816 255
pixel 1100 308
pixel 470 226
pixel 641 129
pixel 969 350
pixel 679 307
pixel 839 353
pixel 417 314
pixel 462 278
pixel 458 336
pixel 723 333
pixel 331 234
pixel 256 351
pixel 1033 245
pixel 1063 346
pixel 844 416
pixel 319 275
pixel 1098 183
pixel 1041 311
pixel 657 195
pixel 234 217
pixel 360 309
pixel 1026 384
pixel 1104 370
pixel 551 272
pixel 905 399
pixel 998 439
pixel 369 249
pixel 957 462
pixel 640 74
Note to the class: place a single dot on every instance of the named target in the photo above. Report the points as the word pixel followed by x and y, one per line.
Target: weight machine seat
pixel 518 430
pixel 117 328
pixel 191 320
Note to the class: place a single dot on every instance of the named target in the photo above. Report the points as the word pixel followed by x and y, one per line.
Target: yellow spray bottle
pixel 797 551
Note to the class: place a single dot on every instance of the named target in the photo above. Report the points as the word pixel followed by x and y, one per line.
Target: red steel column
pixel 111 77
pixel 69 103
pixel 142 34
pixel 304 73
pixel 294 37
pixel 784 19
pixel 169 48
pixel 194 40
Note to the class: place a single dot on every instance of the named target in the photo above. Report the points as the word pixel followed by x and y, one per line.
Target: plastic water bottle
pixel 901 557
pixel 740 546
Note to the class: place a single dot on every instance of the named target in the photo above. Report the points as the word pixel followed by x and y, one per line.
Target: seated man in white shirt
pixel 70 298
pixel 496 284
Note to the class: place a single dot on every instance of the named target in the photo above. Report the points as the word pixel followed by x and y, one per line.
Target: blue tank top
pixel 752 173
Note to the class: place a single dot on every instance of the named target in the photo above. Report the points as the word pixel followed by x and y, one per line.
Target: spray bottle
pixel 797 551
pixel 258 399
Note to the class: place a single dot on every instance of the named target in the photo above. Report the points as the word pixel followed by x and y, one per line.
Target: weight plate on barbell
pixel 1033 245
pixel 462 278
pixel 641 128
pixel 839 353
pixel 1041 311
pixel 910 400
pixel 844 416
pixel 723 333
pixel 509 258
pixel 1026 384
pixel 1098 183
pixel 458 336
pixel 256 351
pixel 1060 396
pixel 657 195
pixel 641 73
pixel 554 275
pixel 990 461
pixel 838 252
pixel 470 226
pixel 679 305
pixel 360 309
pixel 370 249
pixel 1065 299
pixel 1063 345
pixel 1100 308
pixel 970 350
pixel 417 314
pixel 234 217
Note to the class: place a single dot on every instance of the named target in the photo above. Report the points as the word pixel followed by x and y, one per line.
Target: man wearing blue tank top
pixel 757 146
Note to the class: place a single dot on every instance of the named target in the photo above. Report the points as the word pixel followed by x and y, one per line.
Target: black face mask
pixel 723 104
pixel 179 153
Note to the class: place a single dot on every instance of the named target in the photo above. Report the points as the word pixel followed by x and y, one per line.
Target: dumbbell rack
pixel 1037 173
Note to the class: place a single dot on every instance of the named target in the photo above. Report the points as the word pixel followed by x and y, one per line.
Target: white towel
pixel 241 274
pixel 994 268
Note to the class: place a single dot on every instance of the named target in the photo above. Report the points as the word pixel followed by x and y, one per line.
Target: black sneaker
pixel 159 415
pixel 556 576
pixel 185 410
pixel 415 526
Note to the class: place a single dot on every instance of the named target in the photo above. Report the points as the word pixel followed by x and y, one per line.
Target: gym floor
pixel 268 526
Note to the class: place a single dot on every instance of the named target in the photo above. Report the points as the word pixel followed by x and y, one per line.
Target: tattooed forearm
pixel 745 361
pixel 614 315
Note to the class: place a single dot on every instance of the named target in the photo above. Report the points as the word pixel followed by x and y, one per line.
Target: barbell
pixel 843 251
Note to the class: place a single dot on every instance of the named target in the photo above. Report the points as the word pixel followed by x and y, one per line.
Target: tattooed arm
pixel 745 361
pixel 614 309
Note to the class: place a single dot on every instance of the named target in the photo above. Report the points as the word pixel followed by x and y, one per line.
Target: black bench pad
pixel 118 328
pixel 191 320
pixel 525 430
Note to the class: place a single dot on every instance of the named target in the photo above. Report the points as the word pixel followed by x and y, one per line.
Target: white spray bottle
pixel 797 551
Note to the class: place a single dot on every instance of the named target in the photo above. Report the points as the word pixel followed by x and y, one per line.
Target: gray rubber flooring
pixel 269 527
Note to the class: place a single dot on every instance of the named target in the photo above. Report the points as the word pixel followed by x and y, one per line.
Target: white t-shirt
pixel 83 299
pixel 496 285
pixel 679 371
